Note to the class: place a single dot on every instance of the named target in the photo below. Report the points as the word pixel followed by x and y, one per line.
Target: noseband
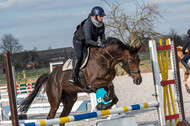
pixel 125 63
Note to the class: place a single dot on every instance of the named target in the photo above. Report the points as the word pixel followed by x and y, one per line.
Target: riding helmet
pixel 98 11
pixel 188 32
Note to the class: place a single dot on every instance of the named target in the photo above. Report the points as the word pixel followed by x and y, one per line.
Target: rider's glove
pixel 102 45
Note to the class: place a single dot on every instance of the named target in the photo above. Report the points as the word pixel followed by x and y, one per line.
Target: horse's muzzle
pixel 137 79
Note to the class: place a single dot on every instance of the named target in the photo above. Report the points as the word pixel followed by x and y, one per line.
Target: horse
pixel 180 56
pixel 98 73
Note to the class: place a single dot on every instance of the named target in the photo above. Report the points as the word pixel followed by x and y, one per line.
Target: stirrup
pixel 73 80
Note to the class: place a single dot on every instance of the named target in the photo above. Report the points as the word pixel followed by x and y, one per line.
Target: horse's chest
pixel 110 75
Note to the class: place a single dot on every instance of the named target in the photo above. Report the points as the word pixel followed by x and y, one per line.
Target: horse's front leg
pixel 110 96
pixel 185 82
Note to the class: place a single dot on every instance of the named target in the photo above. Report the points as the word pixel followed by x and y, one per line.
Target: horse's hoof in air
pixel 106 106
pixel 186 73
pixel 188 91
pixel 100 106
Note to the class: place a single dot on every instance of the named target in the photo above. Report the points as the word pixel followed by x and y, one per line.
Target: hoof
pixel 186 73
pixel 106 98
pixel 100 106
pixel 22 117
pixel 107 106
pixel 188 91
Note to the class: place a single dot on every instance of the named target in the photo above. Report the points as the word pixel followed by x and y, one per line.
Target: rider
pixel 87 33
pixel 187 56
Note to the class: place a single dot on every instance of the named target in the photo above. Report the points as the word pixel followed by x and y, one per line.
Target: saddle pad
pixel 68 65
pixel 86 59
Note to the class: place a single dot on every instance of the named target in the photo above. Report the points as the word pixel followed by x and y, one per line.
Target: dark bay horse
pixel 180 56
pixel 99 73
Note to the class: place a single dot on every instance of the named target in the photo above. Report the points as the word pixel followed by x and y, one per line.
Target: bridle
pixel 125 63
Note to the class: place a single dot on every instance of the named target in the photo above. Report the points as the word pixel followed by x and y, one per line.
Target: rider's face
pixel 99 18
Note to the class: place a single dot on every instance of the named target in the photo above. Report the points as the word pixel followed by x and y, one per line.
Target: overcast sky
pixel 51 23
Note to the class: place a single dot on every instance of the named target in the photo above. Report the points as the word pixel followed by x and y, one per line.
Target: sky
pixel 48 24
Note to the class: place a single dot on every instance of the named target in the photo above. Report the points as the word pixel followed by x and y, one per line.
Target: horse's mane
pixel 121 45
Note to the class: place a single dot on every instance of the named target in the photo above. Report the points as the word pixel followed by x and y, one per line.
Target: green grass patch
pixel 26 76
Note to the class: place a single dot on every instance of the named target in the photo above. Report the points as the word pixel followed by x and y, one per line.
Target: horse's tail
pixel 25 104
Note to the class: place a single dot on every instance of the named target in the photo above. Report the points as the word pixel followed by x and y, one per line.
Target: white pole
pixel 14 80
pixel 157 84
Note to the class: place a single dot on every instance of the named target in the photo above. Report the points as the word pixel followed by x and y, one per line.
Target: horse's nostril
pixel 136 79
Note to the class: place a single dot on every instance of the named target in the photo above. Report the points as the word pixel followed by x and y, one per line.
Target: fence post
pixel 11 91
pixel 182 119
pixel 24 76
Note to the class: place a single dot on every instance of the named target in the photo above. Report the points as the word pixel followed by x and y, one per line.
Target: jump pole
pixel 92 114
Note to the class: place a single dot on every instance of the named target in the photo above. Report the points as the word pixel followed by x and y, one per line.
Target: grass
pixel 26 76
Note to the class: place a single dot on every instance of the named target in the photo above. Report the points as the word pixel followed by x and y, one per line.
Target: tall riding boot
pixel 186 66
pixel 76 67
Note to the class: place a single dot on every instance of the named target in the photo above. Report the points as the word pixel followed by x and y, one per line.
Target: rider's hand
pixel 102 45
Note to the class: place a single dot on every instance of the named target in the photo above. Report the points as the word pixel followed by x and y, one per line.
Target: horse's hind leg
pixel 54 106
pixel 185 82
pixel 68 101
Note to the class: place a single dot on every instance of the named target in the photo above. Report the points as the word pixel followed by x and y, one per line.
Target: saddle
pixel 68 65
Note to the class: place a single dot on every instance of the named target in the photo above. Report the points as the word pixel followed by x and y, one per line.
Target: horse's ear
pixel 131 49
pixel 139 48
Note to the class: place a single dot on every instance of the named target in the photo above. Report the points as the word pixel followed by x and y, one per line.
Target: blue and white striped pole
pixel 92 114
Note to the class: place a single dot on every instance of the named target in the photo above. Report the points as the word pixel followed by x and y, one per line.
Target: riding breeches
pixel 186 57
pixel 78 47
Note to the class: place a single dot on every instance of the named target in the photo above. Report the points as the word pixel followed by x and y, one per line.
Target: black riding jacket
pixel 88 33
pixel 186 44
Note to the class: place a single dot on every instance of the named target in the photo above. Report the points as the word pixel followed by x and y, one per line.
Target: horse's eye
pixel 130 62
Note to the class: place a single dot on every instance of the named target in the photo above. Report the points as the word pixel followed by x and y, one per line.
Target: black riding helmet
pixel 188 32
pixel 98 11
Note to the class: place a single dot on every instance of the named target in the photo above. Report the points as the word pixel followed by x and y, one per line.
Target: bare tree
pixel 49 48
pixel 132 25
pixel 173 32
pixel 35 49
pixel 10 43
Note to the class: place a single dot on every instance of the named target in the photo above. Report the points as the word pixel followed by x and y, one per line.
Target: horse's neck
pixel 99 53
pixel 95 51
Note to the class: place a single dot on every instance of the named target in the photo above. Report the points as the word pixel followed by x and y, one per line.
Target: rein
pixel 128 71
